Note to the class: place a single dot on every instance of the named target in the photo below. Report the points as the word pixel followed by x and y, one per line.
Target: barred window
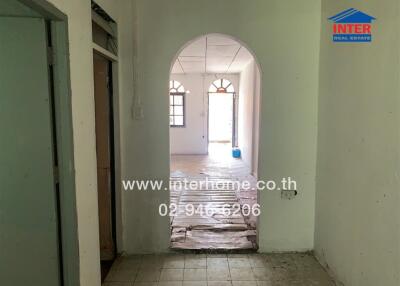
pixel 176 104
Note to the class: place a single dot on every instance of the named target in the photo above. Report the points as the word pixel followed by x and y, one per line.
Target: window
pixel 176 104
pixel 221 86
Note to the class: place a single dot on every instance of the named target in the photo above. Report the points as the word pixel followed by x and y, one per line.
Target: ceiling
pixel 212 54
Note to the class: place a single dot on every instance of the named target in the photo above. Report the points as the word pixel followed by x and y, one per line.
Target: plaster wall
pixel 247 113
pixel 357 204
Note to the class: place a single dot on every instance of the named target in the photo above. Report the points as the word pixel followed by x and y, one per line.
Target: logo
pixel 352 26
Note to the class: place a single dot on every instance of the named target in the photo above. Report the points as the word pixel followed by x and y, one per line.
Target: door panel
pixel 28 210
pixel 103 151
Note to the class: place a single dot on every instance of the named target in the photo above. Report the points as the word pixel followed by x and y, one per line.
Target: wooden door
pixel 103 112
pixel 29 240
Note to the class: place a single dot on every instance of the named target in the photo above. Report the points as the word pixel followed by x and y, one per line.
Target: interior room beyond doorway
pixel 213 114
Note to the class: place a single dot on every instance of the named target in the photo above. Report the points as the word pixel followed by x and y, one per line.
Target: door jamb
pixel 117 219
pixel 69 225
pixel 64 129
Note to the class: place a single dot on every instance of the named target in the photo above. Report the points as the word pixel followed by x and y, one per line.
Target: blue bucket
pixel 236 153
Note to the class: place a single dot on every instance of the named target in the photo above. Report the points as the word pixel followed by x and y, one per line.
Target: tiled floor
pixel 218 270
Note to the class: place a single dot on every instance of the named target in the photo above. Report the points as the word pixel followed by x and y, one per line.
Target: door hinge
pixel 50 56
pixel 56 174
pixel 108 82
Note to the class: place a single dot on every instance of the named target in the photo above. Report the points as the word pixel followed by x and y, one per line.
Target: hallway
pixel 200 143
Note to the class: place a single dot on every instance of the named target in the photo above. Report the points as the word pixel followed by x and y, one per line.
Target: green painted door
pixel 29 248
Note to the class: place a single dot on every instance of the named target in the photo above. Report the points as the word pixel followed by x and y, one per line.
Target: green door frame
pixel 63 113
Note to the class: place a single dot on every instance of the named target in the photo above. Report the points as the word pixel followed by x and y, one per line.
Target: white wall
pixel 357 235
pixel 192 139
pixel 256 121
pixel 247 113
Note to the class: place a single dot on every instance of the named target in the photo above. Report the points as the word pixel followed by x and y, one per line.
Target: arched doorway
pixel 214 140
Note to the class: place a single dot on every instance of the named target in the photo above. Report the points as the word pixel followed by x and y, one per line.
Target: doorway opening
pixel 105 155
pixel 105 60
pixel 214 102
pixel 222 132
pixel 221 114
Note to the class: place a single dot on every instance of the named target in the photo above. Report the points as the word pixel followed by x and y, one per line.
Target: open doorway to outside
pixel 222 132
pixel 221 113
pixel 214 94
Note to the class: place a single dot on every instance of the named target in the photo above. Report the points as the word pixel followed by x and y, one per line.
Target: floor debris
pixel 210 216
